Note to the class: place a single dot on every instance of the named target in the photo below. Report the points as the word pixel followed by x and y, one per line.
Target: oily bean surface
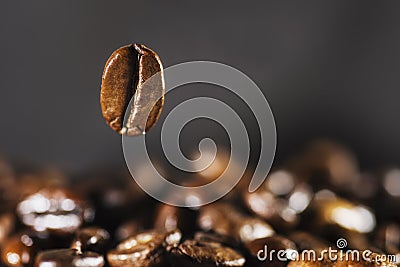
pixel 125 74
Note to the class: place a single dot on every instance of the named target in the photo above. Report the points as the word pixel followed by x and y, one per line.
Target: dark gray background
pixel 328 68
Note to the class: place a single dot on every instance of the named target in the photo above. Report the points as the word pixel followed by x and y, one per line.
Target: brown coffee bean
pixel 224 219
pixel 326 164
pixel 280 200
pixel 124 77
pixel 388 237
pixel 91 239
pixel 335 211
pixel 127 229
pixel 146 249
pixel 170 218
pixel 18 251
pixel 192 253
pixel 68 258
pixel 52 209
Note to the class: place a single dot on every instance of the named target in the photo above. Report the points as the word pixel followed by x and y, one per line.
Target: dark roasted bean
pixel 124 77
pixel 328 164
pixel 127 229
pixel 91 239
pixel 171 218
pixel 226 220
pixel 280 200
pixel 192 253
pixel 146 249
pixel 68 258
pixel 388 237
pixel 52 209
pixel 346 215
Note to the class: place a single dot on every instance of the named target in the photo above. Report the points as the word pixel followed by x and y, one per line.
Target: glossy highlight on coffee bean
pixel 124 77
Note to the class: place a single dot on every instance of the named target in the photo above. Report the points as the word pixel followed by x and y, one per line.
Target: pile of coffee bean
pixel 317 198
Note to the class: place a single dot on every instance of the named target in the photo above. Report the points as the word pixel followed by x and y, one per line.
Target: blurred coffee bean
pixel 389 201
pixel 333 210
pixel 7 221
pixel 366 188
pixel 283 212
pixel 116 198
pixel 52 209
pixel 125 75
pixel 280 182
pixel 273 209
pixel 145 249
pixel 192 253
pixel 250 229
pixel 68 258
pixel 170 218
pixel 91 239
pixel 224 219
pixel 212 218
pixel 387 237
pixel 18 251
pixel 326 164
pixel 391 182
pixel 261 248
pixel 219 163
pixel 127 229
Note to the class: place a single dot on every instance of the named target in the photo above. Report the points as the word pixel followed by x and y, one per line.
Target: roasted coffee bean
pixel 224 219
pixel 52 209
pixel 91 239
pixel 171 218
pixel 326 164
pixel 260 247
pixel 192 253
pixel 388 237
pixel 18 251
pixel 280 200
pixel 127 229
pixel 146 249
pixel 68 258
pixel 333 210
pixel 125 75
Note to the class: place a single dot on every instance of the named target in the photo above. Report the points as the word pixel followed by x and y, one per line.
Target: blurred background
pixel 328 69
